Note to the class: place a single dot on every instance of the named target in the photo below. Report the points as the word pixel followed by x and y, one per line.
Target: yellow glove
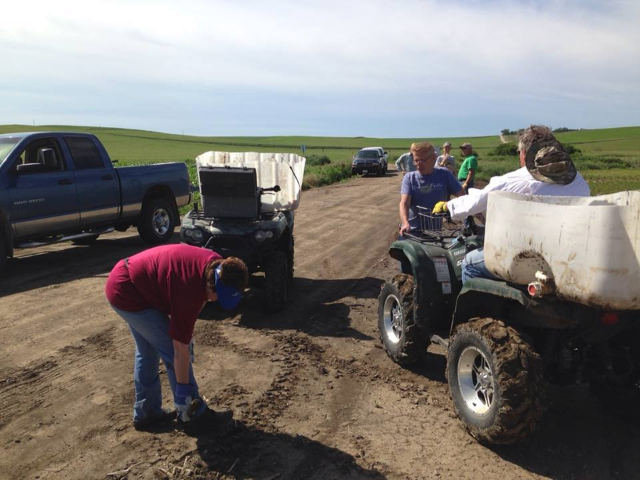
pixel 440 207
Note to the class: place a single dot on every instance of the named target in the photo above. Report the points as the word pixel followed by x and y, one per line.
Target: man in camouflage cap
pixel 547 169
pixel 548 162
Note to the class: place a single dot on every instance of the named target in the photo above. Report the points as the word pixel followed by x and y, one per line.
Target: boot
pixel 152 422
pixel 209 421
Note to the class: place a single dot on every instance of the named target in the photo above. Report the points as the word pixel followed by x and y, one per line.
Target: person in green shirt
pixel 469 167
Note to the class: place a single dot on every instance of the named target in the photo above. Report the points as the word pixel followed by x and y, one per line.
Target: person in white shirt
pixel 547 169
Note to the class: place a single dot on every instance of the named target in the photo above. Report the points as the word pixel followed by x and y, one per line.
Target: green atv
pixel 504 341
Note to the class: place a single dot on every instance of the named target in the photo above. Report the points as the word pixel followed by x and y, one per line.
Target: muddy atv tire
pixel 400 336
pixel 291 263
pixel 276 281
pixel 156 222
pixel 495 381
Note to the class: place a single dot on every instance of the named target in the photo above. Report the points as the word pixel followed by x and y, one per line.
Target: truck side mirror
pixel 30 167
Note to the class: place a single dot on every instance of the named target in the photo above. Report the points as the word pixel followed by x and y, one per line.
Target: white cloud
pixel 386 56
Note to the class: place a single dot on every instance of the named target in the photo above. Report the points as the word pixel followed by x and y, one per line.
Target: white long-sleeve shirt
pixel 518 181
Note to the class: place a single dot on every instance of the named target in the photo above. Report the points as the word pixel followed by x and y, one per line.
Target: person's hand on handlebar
pixel 405 228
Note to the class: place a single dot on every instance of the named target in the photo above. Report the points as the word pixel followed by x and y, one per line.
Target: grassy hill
pixel 609 158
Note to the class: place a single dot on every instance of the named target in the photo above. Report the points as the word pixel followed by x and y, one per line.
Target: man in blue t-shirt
pixel 425 187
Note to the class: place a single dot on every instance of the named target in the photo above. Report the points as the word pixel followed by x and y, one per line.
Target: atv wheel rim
pixel 476 381
pixel 393 319
pixel 161 221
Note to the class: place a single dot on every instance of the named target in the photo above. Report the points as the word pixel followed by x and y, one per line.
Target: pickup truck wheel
pixel 156 223
pixel 400 335
pixel 3 255
pixel 276 280
pixel 495 380
pixel 86 240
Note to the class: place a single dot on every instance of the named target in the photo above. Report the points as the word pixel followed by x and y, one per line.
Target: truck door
pixel 97 183
pixel 41 190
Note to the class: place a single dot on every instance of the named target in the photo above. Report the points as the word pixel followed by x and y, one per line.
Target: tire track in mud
pixel 368 208
pixel 36 384
pixel 299 355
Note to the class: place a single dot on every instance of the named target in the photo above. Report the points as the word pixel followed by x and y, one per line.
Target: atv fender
pixel 432 307
pixel 480 297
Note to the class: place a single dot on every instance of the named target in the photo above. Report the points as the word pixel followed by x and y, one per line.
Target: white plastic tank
pixel 590 246
pixel 284 169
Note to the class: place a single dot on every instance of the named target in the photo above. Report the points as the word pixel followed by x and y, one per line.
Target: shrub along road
pixel 314 395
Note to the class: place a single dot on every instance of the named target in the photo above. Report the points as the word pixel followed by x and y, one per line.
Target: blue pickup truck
pixel 58 186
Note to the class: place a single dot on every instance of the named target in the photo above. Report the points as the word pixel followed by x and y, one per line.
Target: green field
pixel 609 158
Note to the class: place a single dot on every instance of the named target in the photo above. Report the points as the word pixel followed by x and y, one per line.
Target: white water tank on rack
pixel 284 169
pixel 589 245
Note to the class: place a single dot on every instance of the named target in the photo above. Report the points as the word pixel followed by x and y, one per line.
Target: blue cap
pixel 228 297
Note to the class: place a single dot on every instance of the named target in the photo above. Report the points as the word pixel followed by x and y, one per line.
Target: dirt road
pixel 314 395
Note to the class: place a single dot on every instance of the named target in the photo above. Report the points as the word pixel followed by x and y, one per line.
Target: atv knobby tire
pixel 401 337
pixel 276 280
pixel 495 381
pixel 156 223
pixel 291 263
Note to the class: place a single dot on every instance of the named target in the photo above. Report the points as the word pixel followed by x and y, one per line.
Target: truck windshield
pixel 6 145
pixel 367 154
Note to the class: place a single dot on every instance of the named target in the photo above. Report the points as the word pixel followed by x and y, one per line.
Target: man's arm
pixel 405 201
pixel 469 179
pixel 399 162
pixel 181 361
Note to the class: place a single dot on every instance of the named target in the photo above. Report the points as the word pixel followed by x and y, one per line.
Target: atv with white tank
pixel 248 203
pixel 567 312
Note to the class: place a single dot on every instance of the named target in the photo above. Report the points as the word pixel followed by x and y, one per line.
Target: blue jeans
pixel 150 330
pixel 473 266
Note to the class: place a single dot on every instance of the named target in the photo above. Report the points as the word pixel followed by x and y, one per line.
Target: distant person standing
pixel 469 167
pixel 404 163
pixel 447 160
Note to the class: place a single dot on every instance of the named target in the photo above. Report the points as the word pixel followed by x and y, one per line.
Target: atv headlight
pixel 194 235
pixel 261 235
pixel 197 235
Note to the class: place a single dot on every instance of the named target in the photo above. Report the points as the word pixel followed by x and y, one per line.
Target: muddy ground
pixel 314 395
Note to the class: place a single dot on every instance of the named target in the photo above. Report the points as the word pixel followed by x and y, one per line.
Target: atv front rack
pixel 435 228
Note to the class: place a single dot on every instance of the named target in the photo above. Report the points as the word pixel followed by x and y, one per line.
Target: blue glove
pixel 184 394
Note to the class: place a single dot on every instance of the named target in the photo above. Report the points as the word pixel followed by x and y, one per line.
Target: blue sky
pixel 402 68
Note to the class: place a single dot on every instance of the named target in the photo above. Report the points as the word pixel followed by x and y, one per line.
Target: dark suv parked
pixel 369 161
